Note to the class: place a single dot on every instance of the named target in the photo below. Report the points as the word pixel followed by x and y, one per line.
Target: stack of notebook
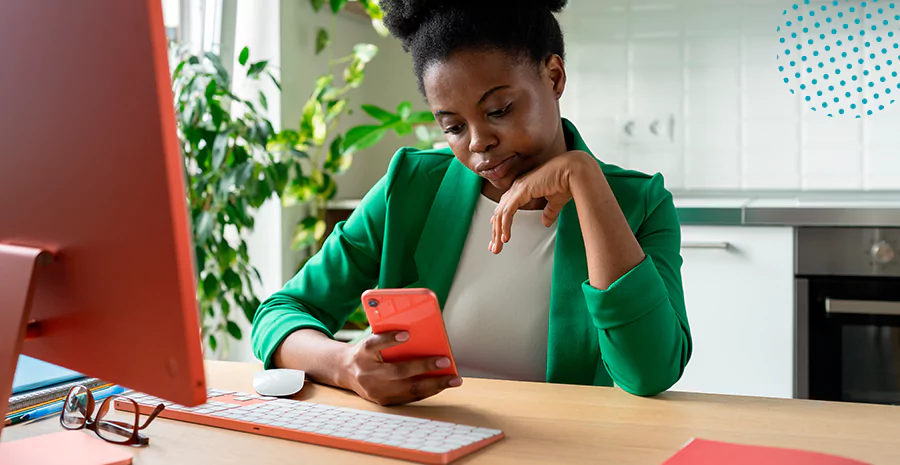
pixel 39 389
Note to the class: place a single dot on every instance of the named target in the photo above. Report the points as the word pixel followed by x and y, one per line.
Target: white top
pixel 498 307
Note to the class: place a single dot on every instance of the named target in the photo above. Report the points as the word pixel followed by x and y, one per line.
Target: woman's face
pixel 500 114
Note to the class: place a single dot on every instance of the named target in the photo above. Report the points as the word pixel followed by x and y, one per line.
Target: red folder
pixel 704 452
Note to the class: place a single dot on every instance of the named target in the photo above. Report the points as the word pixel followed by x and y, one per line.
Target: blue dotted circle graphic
pixel 841 40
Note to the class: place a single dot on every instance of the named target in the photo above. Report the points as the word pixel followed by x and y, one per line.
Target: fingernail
pixel 491 246
pixel 402 337
pixel 443 362
pixel 455 382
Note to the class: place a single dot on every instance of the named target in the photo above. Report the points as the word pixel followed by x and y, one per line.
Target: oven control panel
pixel 848 251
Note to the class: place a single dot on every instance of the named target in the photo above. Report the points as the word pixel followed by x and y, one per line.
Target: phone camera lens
pixel 373 303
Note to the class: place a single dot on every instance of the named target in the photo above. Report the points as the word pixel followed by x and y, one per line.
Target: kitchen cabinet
pixel 739 295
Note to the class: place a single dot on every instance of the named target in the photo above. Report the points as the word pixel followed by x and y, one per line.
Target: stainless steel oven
pixel 848 314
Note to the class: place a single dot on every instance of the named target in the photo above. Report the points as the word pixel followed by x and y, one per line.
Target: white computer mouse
pixel 278 382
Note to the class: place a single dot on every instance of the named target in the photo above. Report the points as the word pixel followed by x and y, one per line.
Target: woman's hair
pixel 432 30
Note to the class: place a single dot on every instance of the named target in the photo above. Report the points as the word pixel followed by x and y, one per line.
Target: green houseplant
pixel 230 172
pixel 331 152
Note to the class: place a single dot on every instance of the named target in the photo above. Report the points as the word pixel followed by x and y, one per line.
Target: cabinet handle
pixel 862 307
pixel 706 245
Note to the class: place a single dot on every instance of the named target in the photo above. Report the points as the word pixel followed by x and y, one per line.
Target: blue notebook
pixel 32 374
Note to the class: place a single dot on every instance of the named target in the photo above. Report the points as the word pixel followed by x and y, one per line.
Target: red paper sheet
pixel 704 452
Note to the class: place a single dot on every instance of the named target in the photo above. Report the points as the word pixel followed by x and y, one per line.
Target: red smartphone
pixel 417 312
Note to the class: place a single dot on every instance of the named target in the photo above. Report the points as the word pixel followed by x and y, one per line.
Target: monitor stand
pixel 18 267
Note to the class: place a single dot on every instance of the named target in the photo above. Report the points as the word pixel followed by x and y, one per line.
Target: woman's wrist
pixel 586 179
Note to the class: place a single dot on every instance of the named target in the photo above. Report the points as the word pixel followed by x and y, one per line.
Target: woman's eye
pixel 500 112
pixel 453 129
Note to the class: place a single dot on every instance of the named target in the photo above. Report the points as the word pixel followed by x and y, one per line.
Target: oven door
pixel 852 339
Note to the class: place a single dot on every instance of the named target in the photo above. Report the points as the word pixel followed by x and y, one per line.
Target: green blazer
pixel 410 229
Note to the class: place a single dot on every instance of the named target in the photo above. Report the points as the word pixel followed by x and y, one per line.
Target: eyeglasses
pixel 78 413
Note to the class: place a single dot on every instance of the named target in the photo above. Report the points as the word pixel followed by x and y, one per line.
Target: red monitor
pixel 96 259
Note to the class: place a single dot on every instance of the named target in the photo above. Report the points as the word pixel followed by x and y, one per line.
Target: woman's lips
pixel 497 171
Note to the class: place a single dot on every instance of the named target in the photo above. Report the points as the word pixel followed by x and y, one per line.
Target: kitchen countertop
pixel 798 209
pixel 771 208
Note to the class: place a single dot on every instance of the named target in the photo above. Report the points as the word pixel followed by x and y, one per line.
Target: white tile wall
pixel 712 65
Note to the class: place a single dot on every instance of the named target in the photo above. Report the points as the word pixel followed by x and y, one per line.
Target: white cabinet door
pixel 740 305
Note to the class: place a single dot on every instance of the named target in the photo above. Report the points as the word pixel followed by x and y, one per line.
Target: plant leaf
pixel 226 255
pixel 380 28
pixel 210 286
pixel 403 128
pixel 218 149
pixel 382 115
pixel 338 162
pixel 323 83
pixel 257 68
pixel 274 80
pixel 306 232
pixel 322 40
pixel 283 140
pixel 225 306
pixel 232 280
pixel 317 5
pixel 250 307
pixel 263 101
pixel 217 114
pixel 234 330
pixel 220 70
pixel 177 71
pixel 423 134
pixel 420 117
pixel 245 54
pixel 328 190
pixel 211 88
pixel 243 174
pixel 365 52
pixel 204 228
pixel 337 5
pixel 362 137
pixel 300 190
pixel 404 109
pixel 317 123
pixel 334 109
pixel 212 342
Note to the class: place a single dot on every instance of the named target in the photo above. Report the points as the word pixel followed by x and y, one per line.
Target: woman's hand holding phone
pixel 393 383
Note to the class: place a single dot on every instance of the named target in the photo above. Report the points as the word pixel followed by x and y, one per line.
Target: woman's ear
pixel 556 72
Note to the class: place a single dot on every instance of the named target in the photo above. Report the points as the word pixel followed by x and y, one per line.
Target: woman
pixel 584 289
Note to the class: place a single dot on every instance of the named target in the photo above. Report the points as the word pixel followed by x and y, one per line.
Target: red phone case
pixel 416 311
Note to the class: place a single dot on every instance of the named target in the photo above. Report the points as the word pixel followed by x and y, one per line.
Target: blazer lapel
pixel 446 229
pixel 571 333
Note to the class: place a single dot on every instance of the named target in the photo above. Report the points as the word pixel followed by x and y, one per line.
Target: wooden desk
pixel 545 424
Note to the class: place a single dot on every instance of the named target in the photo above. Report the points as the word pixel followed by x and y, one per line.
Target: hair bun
pixel 404 17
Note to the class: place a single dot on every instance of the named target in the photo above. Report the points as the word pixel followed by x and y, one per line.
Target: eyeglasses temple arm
pixel 159 408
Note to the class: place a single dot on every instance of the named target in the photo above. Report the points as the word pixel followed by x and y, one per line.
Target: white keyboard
pixel 397 436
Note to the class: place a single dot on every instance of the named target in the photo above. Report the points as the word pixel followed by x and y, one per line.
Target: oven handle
pixel 862 307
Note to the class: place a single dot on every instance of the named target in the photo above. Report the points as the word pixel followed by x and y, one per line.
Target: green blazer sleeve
pixel 324 293
pixel 643 330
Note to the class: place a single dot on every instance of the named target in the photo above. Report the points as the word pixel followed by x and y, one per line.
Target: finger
pixel 417 367
pixel 515 201
pixel 495 228
pixel 378 342
pixel 551 213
